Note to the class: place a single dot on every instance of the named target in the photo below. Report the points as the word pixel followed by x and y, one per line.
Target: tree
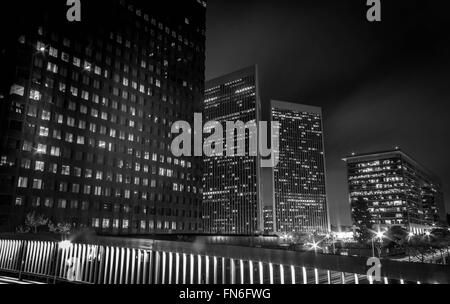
pixel 301 238
pixel 440 241
pixel 419 247
pixel 23 229
pixel 395 238
pixel 34 221
pixel 60 228
pixel 362 219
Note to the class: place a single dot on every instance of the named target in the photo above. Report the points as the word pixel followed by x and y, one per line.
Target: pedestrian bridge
pixel 111 260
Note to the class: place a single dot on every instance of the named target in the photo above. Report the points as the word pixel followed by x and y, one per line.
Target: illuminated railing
pixel 160 262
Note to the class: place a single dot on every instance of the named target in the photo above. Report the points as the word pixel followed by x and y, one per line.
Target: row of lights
pixel 43 49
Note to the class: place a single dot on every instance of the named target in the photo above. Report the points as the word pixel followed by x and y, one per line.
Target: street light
pixel 331 236
pixel 315 246
pixel 378 235
pixel 410 236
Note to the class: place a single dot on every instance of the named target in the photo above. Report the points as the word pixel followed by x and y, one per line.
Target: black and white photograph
pixel 224 150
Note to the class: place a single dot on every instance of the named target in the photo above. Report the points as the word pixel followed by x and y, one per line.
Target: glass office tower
pixel 398 190
pixel 231 185
pixel 86 114
pixel 300 199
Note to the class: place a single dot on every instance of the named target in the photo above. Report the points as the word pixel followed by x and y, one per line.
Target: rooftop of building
pixel 293 106
pixel 396 152
pixel 233 76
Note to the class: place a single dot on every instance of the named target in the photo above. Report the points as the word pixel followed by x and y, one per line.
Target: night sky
pixel 381 85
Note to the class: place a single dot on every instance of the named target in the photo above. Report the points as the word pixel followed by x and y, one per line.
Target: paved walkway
pixel 9 280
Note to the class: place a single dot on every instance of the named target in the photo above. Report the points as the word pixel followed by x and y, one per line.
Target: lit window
pixel 45 115
pixel 43 131
pixel 74 91
pixel 65 170
pixel 55 151
pixel 96 223
pixel 20 201
pixel 105 224
pixel 35 95
pixel 41 149
pixel 22 182
pixel 48 203
pixel 27 146
pixel 98 191
pixel 53 52
pixel 62 204
pixel 39 166
pixel 40 46
pixel 69 137
pixel 37 183
pixel 85 95
pixel 17 90
pixel 52 67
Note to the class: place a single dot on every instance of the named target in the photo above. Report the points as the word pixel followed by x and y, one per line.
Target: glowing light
pixel 65 244
pixel 380 234
pixel 314 246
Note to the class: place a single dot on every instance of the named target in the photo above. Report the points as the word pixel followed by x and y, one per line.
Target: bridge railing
pixel 140 261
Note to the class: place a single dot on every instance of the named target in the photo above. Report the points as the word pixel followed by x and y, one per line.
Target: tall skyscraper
pixel 300 199
pixel 397 189
pixel 231 185
pixel 86 114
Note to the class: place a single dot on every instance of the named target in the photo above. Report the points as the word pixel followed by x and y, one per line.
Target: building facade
pixel 231 184
pixel 398 190
pixel 86 114
pixel 300 199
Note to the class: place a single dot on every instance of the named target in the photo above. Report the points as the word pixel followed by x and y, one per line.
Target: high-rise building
pixel 300 199
pixel 397 189
pixel 86 114
pixel 231 185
